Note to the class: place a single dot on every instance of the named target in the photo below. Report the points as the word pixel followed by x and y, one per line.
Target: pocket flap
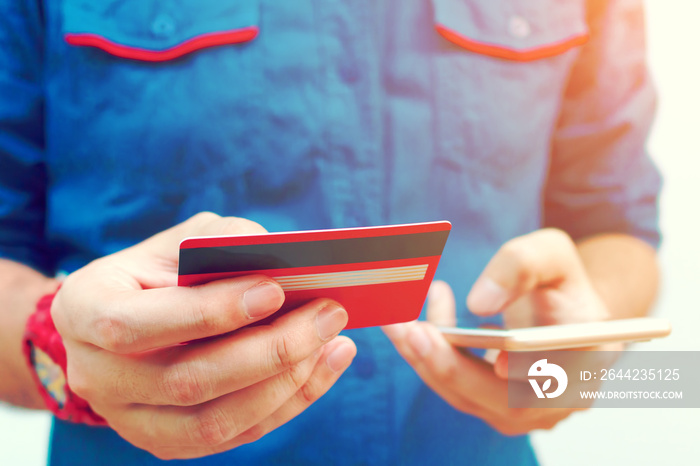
pixel 155 30
pixel 521 30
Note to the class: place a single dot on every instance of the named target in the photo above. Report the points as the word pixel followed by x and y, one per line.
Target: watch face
pixel 51 375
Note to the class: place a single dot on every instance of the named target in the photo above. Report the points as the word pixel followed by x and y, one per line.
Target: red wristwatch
pixel 46 356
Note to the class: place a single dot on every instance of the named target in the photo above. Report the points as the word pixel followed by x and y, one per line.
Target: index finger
pixel 540 259
pixel 131 321
pixel 165 243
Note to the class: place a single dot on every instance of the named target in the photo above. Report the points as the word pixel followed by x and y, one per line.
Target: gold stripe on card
pixel 352 278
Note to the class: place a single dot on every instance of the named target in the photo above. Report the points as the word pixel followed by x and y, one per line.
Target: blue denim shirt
pixel 119 119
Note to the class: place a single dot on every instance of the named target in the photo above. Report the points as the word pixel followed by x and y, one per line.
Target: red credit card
pixel 381 275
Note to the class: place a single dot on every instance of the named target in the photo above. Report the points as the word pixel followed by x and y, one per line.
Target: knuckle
pixel 197 223
pixel 111 332
pixel 557 235
pixel 308 393
pixel 297 377
pixel 123 388
pixel 224 225
pixel 282 353
pixel 203 217
pixel 253 434
pixel 561 241
pixel 211 427
pixel 446 373
pixel 520 253
pixel 182 387
pixel 205 319
pixel 299 380
pixel 236 225
pixel 80 384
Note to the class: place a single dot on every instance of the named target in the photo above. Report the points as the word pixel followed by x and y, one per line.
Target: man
pixel 121 119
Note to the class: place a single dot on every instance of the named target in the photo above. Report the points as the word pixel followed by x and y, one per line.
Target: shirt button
pixel 519 27
pixel 364 367
pixel 163 26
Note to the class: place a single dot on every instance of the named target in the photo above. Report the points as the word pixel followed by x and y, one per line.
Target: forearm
pixel 624 272
pixel 20 289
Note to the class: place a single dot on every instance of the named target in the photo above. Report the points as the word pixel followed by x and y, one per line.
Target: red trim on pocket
pixel 498 51
pixel 191 45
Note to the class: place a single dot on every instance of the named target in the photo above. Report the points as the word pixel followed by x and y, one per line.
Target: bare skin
pixel 122 320
pixel 537 279
pixel 194 400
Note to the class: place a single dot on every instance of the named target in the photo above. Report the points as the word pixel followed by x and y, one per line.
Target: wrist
pixel 46 357
pixel 20 289
pixel 624 272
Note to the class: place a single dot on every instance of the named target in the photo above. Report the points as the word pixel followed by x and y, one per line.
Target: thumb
pixel 544 258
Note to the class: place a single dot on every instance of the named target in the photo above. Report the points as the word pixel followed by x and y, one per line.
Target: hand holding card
pixel 381 275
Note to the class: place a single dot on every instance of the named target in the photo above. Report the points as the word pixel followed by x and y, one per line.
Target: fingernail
pixel 340 358
pixel 419 341
pixel 394 331
pixel 486 297
pixel 330 321
pixel 262 299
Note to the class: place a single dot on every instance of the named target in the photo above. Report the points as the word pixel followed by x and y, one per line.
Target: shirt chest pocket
pixel 158 31
pixel 501 67
pixel 155 92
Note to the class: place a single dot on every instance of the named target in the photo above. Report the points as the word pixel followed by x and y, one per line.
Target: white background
pixel 599 436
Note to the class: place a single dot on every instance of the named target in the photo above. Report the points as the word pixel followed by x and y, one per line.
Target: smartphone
pixel 554 337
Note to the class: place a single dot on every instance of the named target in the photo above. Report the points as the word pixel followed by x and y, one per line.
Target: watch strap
pixel 46 355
